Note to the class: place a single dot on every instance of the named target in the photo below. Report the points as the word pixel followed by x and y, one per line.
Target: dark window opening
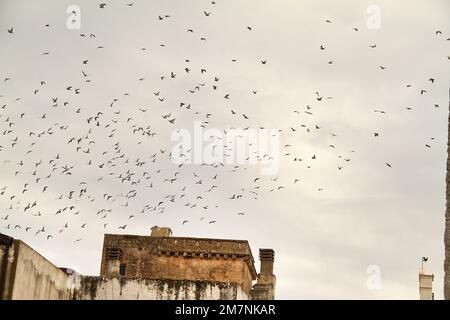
pixel 122 269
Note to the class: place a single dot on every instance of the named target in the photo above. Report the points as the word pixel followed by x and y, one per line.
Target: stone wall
pixel 100 288
pixel 192 259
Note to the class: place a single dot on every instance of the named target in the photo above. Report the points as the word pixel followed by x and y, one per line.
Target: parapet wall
pixel 29 276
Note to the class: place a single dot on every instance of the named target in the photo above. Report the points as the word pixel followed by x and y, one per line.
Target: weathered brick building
pixel 157 266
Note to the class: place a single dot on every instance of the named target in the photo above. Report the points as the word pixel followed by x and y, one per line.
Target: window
pixel 122 269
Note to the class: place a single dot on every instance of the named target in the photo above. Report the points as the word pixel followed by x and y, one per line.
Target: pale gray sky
pixel 366 214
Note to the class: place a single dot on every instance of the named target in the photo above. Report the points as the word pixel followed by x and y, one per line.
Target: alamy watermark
pixel 236 146
pixel 373 21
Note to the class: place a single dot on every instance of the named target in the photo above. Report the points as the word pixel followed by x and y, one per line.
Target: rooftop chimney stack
pixel 161 232
pixel 267 257
pixel 264 289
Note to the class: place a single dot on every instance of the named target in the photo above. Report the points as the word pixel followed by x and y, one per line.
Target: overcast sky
pixel 335 216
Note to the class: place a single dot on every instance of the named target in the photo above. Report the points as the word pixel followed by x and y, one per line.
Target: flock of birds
pixel 56 154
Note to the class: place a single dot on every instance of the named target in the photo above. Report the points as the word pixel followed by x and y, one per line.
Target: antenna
pixel 424 259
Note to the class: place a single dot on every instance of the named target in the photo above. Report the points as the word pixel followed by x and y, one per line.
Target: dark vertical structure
pixel 5 245
pixel 447 219
pixel 264 289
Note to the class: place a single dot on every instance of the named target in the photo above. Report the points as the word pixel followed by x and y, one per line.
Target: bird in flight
pixel 118 142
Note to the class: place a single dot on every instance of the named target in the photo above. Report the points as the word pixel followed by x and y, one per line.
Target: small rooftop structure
pixel 425 285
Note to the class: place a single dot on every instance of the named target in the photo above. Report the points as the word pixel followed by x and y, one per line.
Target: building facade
pixel 157 266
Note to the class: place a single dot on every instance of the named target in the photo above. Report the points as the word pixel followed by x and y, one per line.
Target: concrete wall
pixel 33 277
pixel 426 286
pixel 98 288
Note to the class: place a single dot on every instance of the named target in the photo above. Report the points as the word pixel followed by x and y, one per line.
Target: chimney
pixel 161 232
pixel 267 257
pixel 264 288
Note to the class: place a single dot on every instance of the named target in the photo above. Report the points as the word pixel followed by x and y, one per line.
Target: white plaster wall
pixel 96 288
pixel 36 278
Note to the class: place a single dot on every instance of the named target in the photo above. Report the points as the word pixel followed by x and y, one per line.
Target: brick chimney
pixel 267 257
pixel 264 289
pixel 161 232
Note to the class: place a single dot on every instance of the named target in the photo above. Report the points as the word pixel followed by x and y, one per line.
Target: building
pixel 26 275
pixel 158 266
pixel 425 285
